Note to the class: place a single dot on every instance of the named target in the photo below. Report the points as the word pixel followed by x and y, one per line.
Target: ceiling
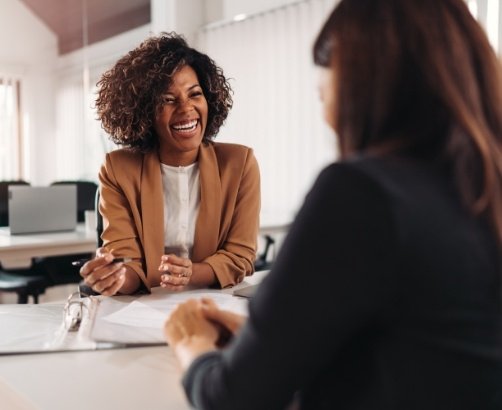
pixel 105 18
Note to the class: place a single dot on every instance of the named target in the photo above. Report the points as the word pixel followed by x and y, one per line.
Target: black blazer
pixel 386 295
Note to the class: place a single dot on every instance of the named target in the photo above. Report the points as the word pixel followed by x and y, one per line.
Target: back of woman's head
pixel 419 78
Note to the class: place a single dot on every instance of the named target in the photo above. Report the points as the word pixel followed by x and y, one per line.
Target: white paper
pixel 137 314
pixel 142 320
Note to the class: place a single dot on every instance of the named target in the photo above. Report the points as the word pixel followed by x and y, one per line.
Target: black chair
pixel 23 282
pixel 4 199
pixel 82 287
pixel 99 220
pixel 263 262
pixel 86 192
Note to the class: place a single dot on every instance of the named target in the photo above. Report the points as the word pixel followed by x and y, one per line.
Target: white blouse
pixel 181 207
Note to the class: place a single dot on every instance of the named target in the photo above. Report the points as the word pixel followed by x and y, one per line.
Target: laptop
pixel 42 209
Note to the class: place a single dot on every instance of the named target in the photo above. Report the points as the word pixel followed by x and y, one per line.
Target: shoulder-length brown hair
pixel 419 77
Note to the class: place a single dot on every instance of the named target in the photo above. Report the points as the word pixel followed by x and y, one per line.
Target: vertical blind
pixel 276 109
pixel 10 128
pixel 277 112
pixel 80 141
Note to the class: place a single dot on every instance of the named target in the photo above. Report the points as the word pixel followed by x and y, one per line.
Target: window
pixel 488 14
pixel 10 128
pixel 81 143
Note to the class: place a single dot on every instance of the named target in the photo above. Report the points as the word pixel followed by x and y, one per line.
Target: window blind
pixel 11 143
pixel 276 111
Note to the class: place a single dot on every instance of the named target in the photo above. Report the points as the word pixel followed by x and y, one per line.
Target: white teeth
pixel 189 126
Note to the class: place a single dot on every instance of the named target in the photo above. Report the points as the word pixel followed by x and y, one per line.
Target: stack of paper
pixel 128 320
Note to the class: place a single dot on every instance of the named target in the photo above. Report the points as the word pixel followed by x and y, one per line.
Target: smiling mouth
pixel 185 126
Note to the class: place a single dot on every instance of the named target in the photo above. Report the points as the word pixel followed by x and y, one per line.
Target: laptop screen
pixel 42 209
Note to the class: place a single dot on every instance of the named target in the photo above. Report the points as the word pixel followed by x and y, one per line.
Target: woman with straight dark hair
pixel 387 292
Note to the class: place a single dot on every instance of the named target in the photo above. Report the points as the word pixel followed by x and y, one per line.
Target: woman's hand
pixel 177 272
pixel 102 275
pixel 189 333
pixel 230 321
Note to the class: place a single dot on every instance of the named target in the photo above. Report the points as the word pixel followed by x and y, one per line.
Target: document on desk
pixel 137 321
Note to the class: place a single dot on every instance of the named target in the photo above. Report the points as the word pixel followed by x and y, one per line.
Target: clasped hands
pixel 107 278
pixel 177 272
pixel 199 326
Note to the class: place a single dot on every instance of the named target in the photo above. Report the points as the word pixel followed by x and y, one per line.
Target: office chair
pixel 23 282
pixel 4 199
pixel 262 262
pixel 99 221
pixel 82 287
pixel 86 191
pixel 59 268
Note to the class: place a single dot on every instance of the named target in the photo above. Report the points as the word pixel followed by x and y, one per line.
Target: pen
pixel 80 262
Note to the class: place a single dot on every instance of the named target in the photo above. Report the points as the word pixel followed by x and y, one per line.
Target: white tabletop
pixel 134 378
pixel 128 378
pixel 16 251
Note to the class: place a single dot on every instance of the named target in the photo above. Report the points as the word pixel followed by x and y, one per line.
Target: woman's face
pixel 327 94
pixel 181 121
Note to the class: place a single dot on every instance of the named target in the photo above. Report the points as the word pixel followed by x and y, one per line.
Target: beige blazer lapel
pixel 152 215
pixel 207 228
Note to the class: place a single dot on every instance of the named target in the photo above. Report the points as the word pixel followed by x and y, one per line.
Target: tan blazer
pixel 226 230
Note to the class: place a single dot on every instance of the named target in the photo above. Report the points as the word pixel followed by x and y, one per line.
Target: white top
pixel 181 207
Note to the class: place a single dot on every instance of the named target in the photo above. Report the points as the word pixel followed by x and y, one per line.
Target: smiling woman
pixel 181 121
pixel 182 207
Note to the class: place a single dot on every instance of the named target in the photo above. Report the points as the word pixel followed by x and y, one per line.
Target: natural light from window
pixel 9 128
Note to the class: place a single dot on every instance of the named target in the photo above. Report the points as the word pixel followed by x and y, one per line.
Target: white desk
pixel 16 251
pixel 132 378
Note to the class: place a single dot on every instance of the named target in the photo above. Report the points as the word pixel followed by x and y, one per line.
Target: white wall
pixel 183 16
pixel 231 8
pixel 214 10
pixel 29 49
pixel 25 39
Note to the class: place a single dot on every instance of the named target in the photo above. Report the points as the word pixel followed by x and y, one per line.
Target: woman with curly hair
pixel 183 209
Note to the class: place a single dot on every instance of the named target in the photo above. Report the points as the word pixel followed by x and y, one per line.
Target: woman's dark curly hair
pixel 130 93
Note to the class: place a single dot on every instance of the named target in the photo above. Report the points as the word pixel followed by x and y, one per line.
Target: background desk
pixel 132 378
pixel 17 251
